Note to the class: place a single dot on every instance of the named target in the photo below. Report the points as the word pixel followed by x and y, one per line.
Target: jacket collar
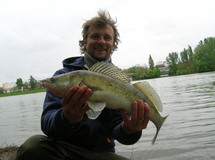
pixel 79 62
pixel 74 62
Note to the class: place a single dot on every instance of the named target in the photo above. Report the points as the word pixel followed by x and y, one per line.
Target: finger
pixel 134 112
pixel 69 94
pixel 140 116
pixel 147 115
pixel 124 115
pixel 85 96
pixel 76 100
pixel 85 108
pixel 85 93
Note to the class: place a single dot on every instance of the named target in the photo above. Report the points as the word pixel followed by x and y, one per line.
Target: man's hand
pixel 74 103
pixel 140 116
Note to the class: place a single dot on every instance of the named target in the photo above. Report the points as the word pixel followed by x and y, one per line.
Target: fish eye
pixel 52 80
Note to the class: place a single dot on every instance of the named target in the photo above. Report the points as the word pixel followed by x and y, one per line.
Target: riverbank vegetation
pixel 32 86
pixel 201 59
pixel 143 72
pixel 188 61
pixel 22 92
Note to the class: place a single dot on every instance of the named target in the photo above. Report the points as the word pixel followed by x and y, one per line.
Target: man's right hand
pixel 74 103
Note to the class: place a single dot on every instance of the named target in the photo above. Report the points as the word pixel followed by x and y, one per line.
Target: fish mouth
pixel 45 82
pixel 57 85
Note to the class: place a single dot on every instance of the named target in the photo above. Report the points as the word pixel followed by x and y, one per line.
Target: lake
pixel 188 132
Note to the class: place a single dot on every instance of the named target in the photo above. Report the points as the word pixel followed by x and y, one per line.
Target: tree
pixel 19 83
pixel 202 59
pixel 136 72
pixel 185 66
pixel 190 52
pixel 204 56
pixel 151 62
pixel 157 72
pixel 26 86
pixel 184 55
pixel 1 90
pixel 33 82
pixel 172 60
pixel 149 74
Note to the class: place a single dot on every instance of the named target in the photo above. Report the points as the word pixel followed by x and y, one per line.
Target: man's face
pixel 100 42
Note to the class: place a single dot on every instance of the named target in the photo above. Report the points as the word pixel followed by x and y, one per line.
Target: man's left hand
pixel 140 116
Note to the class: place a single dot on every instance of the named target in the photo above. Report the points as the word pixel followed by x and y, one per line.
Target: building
pixel 163 67
pixel 7 87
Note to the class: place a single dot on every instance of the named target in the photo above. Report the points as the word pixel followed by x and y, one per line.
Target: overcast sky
pixel 36 35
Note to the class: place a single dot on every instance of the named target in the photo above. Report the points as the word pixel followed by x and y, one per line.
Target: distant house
pixel 8 86
pixel 162 65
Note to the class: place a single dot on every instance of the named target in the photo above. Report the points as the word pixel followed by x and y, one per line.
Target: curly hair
pixel 101 20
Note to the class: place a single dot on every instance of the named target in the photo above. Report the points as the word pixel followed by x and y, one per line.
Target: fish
pixel 111 88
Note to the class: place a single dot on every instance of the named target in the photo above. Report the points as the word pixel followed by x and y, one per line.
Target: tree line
pixel 143 72
pixel 201 59
pixel 32 84
pixel 24 86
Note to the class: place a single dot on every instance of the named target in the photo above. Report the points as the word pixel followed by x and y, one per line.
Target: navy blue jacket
pixel 98 134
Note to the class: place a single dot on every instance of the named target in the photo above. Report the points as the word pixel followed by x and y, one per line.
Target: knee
pixel 30 148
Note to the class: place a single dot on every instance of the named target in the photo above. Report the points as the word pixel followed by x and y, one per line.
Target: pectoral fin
pixel 95 109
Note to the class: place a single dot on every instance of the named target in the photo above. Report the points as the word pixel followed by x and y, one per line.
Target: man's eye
pixel 107 38
pixel 94 36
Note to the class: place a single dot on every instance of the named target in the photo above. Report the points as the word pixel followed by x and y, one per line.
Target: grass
pixel 20 93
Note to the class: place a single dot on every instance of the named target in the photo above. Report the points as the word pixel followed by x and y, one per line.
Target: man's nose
pixel 101 40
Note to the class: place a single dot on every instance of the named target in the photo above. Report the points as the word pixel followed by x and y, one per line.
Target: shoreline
pixel 8 152
pixel 22 92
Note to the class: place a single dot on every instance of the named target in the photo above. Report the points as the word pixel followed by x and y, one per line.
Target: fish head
pixel 57 85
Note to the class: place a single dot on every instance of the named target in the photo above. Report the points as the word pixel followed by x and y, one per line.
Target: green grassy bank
pixel 20 93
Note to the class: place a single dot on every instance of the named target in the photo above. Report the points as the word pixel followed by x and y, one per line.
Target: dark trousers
pixel 42 148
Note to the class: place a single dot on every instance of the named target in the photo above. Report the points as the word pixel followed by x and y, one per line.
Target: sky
pixel 37 35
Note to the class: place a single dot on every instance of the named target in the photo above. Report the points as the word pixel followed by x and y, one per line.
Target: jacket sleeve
pixel 120 136
pixel 53 122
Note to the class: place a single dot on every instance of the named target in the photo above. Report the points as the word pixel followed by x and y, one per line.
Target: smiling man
pixel 99 43
pixel 100 37
pixel 70 134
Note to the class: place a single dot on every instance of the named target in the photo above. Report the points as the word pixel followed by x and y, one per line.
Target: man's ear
pixel 84 42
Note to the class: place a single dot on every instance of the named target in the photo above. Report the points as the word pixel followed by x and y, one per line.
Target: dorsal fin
pixel 110 70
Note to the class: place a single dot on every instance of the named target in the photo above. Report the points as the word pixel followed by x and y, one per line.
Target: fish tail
pixel 158 129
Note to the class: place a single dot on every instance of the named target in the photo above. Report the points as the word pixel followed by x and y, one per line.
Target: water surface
pixel 188 133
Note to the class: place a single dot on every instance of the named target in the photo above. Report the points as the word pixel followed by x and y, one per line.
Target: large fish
pixel 111 88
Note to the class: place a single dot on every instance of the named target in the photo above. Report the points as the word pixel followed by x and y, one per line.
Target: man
pixel 70 133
